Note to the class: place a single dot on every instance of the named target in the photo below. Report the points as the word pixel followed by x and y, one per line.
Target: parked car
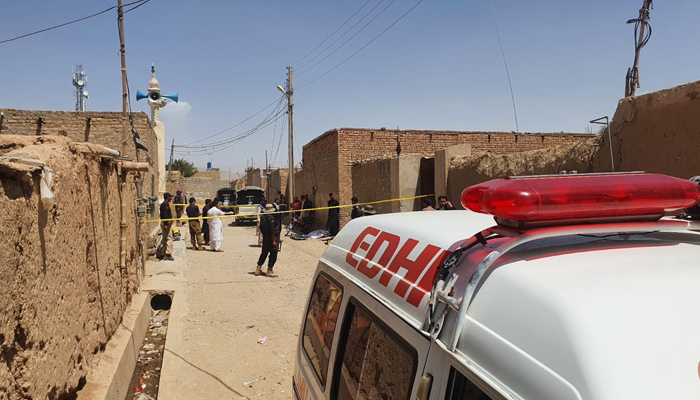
pixel 247 200
pixel 227 196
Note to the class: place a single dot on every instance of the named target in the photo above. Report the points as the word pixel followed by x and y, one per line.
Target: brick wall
pixel 278 180
pixel 202 189
pixel 320 174
pixel 328 159
pixel 104 128
pixel 372 183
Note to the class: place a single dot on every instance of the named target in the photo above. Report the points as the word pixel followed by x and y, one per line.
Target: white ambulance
pixel 578 290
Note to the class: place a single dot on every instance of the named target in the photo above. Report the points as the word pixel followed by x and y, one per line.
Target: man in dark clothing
pixel 278 218
pixel 178 208
pixel 195 230
pixel 205 224
pixel 333 223
pixel 269 242
pixel 165 248
pixel 356 209
pixel 444 203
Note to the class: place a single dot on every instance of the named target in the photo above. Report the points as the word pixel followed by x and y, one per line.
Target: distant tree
pixel 185 167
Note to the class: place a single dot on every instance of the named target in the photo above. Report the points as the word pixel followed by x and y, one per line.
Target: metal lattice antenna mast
pixel 80 83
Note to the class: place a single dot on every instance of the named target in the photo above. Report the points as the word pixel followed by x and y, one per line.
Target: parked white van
pixel 579 290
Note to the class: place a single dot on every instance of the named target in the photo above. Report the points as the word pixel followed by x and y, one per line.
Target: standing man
pixel 179 200
pixel 205 223
pixel 356 209
pixel 259 210
pixel 195 229
pixel 444 203
pixel 165 248
pixel 216 234
pixel 278 219
pixel 269 242
pixel 333 223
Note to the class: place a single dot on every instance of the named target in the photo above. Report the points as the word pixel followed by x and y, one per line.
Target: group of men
pixel 269 224
pixel 208 233
pixel 445 204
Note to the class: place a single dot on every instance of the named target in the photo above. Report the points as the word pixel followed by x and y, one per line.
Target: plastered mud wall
pixel 656 132
pixel 63 290
pixel 480 167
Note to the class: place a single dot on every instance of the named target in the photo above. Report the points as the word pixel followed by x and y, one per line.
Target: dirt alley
pixel 220 311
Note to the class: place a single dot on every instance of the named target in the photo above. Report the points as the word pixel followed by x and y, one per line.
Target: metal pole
pixel 290 111
pixel 607 128
pixel 633 82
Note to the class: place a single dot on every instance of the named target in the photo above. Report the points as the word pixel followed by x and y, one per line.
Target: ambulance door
pixel 379 355
pixel 453 380
pixel 318 336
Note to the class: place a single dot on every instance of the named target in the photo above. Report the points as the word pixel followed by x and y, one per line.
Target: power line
pixel 334 32
pixel 363 47
pixel 512 96
pixel 135 7
pixel 272 115
pixel 238 124
pixel 224 144
pixel 349 39
pixel 343 35
pixel 74 21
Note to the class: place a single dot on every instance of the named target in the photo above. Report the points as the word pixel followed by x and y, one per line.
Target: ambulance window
pixel 321 317
pixel 375 363
pixel 461 388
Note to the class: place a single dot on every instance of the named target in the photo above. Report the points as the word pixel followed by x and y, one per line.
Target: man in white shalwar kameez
pixel 215 227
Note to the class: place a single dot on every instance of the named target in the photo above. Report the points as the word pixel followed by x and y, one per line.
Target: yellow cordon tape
pixel 288 211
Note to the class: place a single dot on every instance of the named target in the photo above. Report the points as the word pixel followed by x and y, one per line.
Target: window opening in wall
pixel 461 388
pixel 373 362
pixel 319 328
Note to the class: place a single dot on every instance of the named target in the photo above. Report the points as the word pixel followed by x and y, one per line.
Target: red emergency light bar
pixel 581 198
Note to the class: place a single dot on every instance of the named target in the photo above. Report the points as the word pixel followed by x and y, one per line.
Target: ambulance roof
pixel 604 316
pixel 612 316
pixel 415 231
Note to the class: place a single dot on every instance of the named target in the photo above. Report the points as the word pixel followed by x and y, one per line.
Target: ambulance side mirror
pixel 426 381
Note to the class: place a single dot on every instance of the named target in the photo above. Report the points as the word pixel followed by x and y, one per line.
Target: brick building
pixel 327 160
pixel 104 128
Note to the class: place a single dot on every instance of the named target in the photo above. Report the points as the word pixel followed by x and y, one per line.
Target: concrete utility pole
pixel 642 22
pixel 125 96
pixel 290 112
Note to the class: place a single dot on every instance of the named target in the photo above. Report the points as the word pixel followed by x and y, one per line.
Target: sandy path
pixel 220 310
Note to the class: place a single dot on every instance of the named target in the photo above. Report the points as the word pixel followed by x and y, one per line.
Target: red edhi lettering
pixel 362 265
pixel 413 268
pixel 360 243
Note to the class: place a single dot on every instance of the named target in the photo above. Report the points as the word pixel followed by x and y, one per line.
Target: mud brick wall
pixel 202 189
pixel 104 128
pixel 320 175
pixel 63 291
pixel 278 180
pixel 213 173
pixel 656 132
pixel 371 183
pixel 328 159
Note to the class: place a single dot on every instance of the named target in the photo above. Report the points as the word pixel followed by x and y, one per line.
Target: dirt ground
pixel 220 312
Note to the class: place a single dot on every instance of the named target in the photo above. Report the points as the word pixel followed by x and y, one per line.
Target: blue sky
pixel 440 67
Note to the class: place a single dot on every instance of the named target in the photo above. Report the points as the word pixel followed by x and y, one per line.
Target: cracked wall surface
pixel 656 132
pixel 63 291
